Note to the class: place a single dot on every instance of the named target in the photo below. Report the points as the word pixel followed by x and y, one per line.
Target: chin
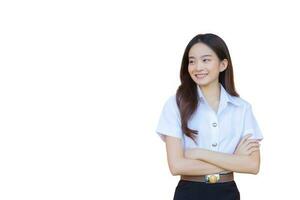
pixel 202 83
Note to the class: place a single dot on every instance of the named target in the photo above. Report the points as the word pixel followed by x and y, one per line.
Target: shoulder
pixel 171 100
pixel 171 104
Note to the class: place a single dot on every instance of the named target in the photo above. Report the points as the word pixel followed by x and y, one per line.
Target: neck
pixel 211 92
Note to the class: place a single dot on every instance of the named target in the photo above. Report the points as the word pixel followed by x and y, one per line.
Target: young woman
pixel 210 132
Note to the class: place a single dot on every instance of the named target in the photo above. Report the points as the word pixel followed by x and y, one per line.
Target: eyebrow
pixel 200 56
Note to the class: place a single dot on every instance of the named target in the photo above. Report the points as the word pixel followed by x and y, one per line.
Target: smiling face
pixel 204 65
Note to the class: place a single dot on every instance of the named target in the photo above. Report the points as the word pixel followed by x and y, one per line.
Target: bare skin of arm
pixel 180 165
pixel 246 158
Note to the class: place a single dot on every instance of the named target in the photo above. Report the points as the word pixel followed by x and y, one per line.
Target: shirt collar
pixel 224 97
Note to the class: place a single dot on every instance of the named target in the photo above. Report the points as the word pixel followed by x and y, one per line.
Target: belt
pixel 211 178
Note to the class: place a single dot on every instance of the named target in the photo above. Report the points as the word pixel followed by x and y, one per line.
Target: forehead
pixel 200 49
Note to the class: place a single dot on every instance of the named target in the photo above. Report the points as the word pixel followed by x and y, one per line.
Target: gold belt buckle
pixel 212 178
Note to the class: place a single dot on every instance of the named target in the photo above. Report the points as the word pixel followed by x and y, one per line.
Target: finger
pixel 250 141
pixel 246 137
pixel 247 142
pixel 252 145
pixel 253 150
pixel 246 146
pixel 250 151
pixel 253 140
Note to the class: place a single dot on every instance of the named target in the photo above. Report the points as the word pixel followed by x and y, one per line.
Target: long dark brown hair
pixel 186 95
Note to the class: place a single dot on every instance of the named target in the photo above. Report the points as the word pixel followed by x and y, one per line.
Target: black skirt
pixel 191 190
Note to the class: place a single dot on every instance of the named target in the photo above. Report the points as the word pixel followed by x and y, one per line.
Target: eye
pixel 191 61
pixel 206 60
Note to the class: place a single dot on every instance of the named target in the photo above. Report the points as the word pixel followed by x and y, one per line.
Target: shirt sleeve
pixel 169 121
pixel 251 125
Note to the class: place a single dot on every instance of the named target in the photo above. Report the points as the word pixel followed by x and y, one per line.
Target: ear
pixel 223 65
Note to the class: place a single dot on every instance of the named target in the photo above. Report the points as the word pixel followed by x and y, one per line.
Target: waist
pixel 211 178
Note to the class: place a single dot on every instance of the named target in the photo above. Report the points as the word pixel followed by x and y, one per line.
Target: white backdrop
pixel 82 84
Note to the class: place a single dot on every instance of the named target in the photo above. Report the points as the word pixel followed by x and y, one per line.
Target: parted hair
pixel 186 95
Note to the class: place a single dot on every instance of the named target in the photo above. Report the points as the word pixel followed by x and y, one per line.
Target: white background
pixel 82 84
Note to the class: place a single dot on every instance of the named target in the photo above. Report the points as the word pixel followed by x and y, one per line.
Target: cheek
pixel 214 69
pixel 190 69
pixel 215 74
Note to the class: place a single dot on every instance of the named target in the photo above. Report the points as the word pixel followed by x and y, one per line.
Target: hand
pixel 247 146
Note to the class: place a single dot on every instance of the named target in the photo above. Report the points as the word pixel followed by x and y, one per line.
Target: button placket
pixel 215 131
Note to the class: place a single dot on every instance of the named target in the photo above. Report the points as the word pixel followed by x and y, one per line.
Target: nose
pixel 199 65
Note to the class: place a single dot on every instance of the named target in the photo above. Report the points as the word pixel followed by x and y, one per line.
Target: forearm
pixel 193 167
pixel 231 162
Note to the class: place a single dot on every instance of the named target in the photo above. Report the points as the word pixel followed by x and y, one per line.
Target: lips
pixel 200 75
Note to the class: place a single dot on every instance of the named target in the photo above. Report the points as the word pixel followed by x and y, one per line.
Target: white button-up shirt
pixel 219 131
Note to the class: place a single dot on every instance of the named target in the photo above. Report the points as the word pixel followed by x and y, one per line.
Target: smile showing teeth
pixel 200 75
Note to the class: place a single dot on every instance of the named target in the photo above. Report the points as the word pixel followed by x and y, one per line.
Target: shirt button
pixel 214 124
pixel 214 144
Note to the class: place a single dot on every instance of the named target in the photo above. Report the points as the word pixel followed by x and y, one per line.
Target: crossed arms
pixel 198 161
